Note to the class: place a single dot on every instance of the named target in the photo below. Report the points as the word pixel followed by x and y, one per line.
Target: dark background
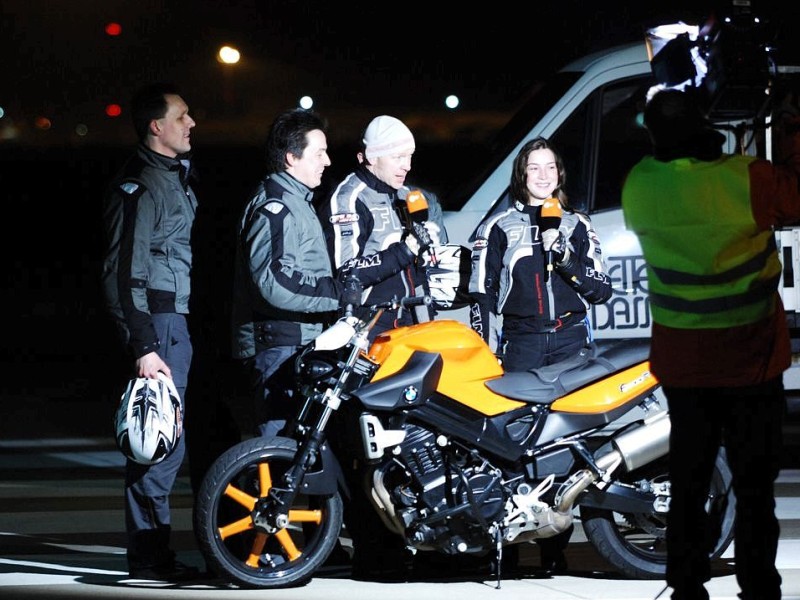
pixel 357 59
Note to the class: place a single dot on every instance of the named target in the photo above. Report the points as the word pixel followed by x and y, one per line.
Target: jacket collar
pixel 181 164
pixel 376 184
pixel 292 185
pixel 526 208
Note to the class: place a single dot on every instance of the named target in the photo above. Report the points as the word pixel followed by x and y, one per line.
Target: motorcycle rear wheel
pixel 636 543
pixel 231 545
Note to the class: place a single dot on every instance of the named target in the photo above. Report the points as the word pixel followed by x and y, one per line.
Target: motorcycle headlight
pixel 314 368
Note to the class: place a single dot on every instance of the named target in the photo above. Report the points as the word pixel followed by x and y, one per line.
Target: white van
pixel 592 111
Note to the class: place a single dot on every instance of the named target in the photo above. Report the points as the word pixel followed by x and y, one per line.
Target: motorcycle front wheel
pixel 223 520
pixel 635 543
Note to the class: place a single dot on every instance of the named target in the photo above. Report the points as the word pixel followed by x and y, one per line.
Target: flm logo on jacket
pixel 480 243
pixel 342 218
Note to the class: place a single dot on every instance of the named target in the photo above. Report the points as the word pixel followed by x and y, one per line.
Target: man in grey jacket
pixel 284 287
pixel 148 214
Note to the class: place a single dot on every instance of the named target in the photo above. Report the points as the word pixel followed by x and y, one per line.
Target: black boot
pixel 553 561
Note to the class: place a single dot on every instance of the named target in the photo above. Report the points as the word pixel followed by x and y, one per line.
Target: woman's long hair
pixel 519 175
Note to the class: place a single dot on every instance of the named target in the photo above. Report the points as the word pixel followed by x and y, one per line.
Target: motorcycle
pixel 462 458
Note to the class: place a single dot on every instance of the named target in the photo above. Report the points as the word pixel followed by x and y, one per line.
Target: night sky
pixel 357 59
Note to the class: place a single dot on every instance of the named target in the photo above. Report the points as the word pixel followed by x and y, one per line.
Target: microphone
pixel 417 213
pixel 417 205
pixel 549 219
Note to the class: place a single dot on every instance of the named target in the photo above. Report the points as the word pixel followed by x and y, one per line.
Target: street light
pixel 228 56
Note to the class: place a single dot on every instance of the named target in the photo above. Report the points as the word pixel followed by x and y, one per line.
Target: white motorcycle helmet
pixel 149 420
pixel 448 278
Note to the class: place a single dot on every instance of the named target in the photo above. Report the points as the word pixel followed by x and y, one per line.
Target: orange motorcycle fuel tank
pixel 467 362
pixel 468 365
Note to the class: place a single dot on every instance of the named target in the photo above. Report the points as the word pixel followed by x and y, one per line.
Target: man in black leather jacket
pixel 364 224
pixel 369 235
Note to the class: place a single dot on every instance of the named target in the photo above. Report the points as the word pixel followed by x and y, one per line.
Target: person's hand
pixel 351 292
pixel 553 240
pixel 433 231
pixel 413 243
pixel 150 364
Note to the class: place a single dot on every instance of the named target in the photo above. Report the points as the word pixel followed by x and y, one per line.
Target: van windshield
pixel 469 164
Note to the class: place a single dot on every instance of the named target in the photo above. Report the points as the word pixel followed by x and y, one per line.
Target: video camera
pixel 730 62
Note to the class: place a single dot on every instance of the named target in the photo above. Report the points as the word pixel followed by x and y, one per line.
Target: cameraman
pixel 720 343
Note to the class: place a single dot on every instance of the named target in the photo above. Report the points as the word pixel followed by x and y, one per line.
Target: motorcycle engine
pixel 443 496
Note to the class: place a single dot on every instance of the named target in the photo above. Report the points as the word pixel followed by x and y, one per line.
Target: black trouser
pixel 376 549
pixel 527 351
pixel 272 382
pixel 749 422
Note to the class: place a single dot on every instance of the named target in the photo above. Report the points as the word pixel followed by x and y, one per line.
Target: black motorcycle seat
pixel 546 384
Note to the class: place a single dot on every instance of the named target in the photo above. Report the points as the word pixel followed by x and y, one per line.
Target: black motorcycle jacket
pixel 148 214
pixel 284 289
pixel 365 236
pixel 508 266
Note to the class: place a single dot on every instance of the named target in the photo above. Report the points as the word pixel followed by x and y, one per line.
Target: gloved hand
pixel 351 292
pixel 412 242
pixel 433 231
pixel 553 240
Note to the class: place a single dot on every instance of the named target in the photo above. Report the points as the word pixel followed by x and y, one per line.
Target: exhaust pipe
pixel 640 445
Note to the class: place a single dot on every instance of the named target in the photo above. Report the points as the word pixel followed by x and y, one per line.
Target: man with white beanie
pixel 387 135
pixel 366 222
pixel 369 236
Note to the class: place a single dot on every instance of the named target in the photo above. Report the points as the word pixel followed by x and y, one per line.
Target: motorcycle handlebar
pixel 393 304
pixel 415 301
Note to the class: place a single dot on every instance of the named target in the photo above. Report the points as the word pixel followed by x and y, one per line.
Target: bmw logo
pixel 410 394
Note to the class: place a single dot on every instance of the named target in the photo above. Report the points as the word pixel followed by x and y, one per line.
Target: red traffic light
pixel 113 29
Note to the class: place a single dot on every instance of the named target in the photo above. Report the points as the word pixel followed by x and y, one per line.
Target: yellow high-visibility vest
pixel 708 264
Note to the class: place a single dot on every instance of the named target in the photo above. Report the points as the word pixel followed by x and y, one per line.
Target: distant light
pixel 452 101
pixel 2 112
pixel 113 110
pixel 42 123
pixel 306 102
pixel 228 55
pixel 8 131
pixel 81 129
pixel 113 29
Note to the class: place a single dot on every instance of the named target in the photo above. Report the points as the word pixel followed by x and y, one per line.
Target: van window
pixel 601 141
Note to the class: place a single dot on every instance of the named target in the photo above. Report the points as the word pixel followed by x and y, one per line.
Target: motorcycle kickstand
pixel 498 555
